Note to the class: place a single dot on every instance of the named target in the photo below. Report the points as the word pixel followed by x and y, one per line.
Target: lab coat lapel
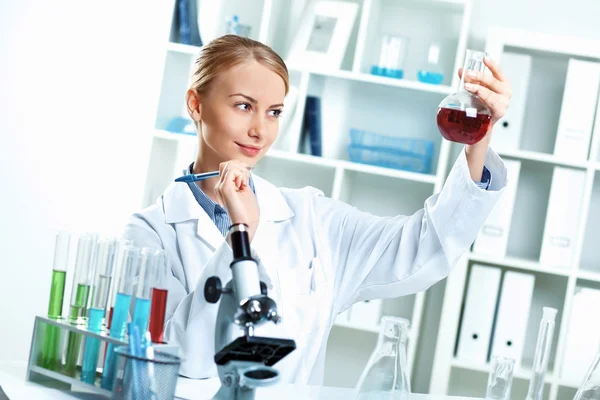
pixel 274 210
pixel 181 205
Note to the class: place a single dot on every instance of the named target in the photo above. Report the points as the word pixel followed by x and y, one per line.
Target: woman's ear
pixel 194 106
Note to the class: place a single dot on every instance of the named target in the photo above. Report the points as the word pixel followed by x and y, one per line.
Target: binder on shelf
pixel 517 67
pixel 564 204
pixel 366 313
pixel 583 335
pixel 577 110
pixel 492 238
pixel 513 315
pixel 312 127
pixel 478 315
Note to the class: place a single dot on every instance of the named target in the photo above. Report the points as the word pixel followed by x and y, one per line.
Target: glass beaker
pixel 463 117
pixel 386 373
pixel 500 378
pixel 590 388
pixel 391 57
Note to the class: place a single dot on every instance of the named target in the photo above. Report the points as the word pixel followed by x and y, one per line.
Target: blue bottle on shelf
pixel 432 73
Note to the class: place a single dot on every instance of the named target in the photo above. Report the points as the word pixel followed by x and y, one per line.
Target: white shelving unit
pixel 351 98
pixel 554 287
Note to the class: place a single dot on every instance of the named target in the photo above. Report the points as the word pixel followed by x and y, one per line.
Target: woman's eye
pixel 243 106
pixel 275 113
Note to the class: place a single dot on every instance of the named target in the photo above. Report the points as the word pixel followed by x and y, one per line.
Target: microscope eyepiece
pixel 240 242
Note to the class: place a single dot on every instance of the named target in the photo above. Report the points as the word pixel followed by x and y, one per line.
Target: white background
pixel 79 85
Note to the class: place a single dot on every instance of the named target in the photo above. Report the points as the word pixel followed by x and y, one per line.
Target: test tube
pixel 159 302
pixel 130 261
pixel 116 271
pixel 82 282
pixel 104 269
pixel 542 354
pixel 152 261
pixel 50 354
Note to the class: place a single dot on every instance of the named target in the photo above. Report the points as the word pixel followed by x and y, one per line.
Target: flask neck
pixel 473 62
pixel 393 334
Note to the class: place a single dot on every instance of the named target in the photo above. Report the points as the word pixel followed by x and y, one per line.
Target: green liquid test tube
pixel 80 295
pixel 51 357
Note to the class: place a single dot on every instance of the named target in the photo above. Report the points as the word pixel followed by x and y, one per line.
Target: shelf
pixel 588 275
pixel 183 48
pixel 518 263
pixel 348 75
pixel 352 166
pixel 306 158
pixel 569 384
pixel 521 373
pixel 381 80
pixel 542 157
pixel 348 325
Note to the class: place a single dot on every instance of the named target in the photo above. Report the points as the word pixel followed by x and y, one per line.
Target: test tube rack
pixel 58 380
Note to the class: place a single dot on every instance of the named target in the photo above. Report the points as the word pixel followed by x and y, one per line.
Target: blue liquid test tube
pixel 104 268
pixel 129 267
pixel 80 297
pixel 112 297
pixel 152 261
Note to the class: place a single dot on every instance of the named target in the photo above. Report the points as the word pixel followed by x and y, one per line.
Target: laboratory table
pixel 15 387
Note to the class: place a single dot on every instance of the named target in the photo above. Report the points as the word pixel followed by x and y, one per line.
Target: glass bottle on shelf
pixel 432 73
pixel 463 117
pixel 386 373
pixel 590 388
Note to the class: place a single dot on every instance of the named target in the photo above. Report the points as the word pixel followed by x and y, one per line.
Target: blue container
pixel 434 78
pixel 409 154
pixel 387 72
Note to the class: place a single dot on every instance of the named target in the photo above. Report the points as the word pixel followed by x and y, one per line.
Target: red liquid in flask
pixel 157 315
pixel 456 126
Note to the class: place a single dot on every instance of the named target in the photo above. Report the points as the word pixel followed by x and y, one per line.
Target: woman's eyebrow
pixel 253 101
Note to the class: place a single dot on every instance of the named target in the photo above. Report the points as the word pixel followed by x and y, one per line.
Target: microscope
pixel 246 362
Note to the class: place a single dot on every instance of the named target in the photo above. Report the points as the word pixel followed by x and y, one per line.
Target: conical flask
pixel 386 374
pixel 590 388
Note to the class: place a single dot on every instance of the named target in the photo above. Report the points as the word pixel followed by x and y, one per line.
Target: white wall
pixel 556 17
pixel 77 100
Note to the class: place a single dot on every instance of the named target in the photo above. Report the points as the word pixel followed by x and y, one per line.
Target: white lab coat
pixel 318 256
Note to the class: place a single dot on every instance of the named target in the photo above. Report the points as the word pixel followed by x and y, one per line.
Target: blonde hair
pixel 229 51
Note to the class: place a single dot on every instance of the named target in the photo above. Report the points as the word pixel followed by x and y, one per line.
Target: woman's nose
pixel 257 128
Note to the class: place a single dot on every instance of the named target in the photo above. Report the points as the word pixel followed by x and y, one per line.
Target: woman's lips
pixel 251 151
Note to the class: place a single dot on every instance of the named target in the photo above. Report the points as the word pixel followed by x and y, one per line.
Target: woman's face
pixel 239 114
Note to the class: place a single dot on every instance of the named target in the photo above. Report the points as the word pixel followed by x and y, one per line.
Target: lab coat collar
pixel 180 205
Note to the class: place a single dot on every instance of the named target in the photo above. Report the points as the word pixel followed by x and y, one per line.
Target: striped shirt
pixel 216 212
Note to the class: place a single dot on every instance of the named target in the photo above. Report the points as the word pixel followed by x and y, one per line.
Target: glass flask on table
pixel 463 117
pixel 386 373
pixel 590 388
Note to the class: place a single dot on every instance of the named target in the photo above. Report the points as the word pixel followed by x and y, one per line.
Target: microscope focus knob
pixel 213 289
pixel 254 309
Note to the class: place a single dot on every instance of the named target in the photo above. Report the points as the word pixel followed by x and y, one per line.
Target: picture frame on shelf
pixel 323 35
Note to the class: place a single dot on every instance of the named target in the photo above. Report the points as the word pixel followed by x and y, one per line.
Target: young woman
pixel 318 256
